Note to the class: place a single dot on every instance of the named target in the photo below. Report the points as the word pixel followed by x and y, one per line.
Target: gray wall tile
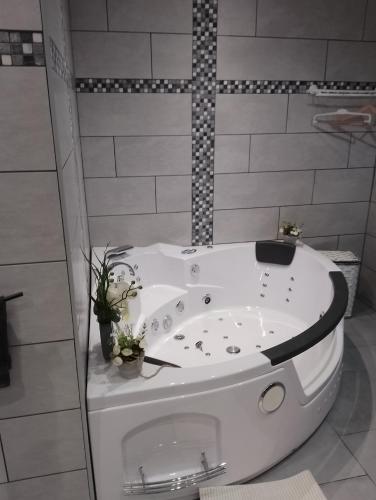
pixel 120 196
pixel 43 444
pixel 137 114
pixel 163 16
pixel 370 26
pixel 140 230
pixel 303 18
pixel 98 156
pixel 342 185
pixel 231 153
pixel 303 107
pixel 369 256
pixel 43 379
pixel 113 55
pixel 153 155
pixel 43 313
pixel 30 221
pixel 172 56
pixel 25 123
pixel 236 17
pixel 371 228
pixel 248 114
pixel 3 472
pixel 351 61
pixel 246 58
pixel 363 150
pixel 262 189
pixel 88 15
pixel 328 219
pixel 322 242
pixel 20 15
pixel 245 225
pixel 174 193
pixel 352 242
pixel 367 285
pixel 298 151
pixel 66 486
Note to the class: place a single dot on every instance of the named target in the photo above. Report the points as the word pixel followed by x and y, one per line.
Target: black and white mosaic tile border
pixel 204 69
pixel 21 48
pixel 134 86
pixel 59 64
pixel 285 86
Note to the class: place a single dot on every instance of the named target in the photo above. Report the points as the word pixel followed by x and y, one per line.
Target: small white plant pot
pixel 131 369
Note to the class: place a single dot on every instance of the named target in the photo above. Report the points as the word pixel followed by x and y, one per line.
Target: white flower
pixel 127 352
pixel 281 229
pixel 116 291
pixel 117 361
pixel 116 349
pixel 142 343
pixel 294 233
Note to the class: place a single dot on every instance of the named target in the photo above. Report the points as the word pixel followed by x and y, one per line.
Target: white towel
pixel 300 487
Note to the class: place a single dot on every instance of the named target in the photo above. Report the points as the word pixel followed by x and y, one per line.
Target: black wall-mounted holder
pixel 5 359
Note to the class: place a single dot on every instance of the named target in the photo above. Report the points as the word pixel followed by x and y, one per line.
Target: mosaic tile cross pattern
pixel 21 48
pixel 204 61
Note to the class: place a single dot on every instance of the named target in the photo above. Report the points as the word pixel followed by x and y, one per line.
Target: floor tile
pixel 363 447
pixel 361 329
pixel 359 488
pixel 355 407
pixel 323 454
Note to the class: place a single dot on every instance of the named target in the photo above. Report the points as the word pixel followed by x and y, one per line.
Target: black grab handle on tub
pixel 318 331
pixel 5 359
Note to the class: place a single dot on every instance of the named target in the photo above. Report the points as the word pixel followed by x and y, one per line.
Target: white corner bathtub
pixel 256 330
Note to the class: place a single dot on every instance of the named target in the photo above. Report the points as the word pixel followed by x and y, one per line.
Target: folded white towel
pixel 300 487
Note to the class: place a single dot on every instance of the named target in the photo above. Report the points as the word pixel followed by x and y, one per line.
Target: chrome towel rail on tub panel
pixel 144 487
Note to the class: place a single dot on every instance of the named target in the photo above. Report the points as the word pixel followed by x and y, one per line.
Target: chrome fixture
pixel 189 251
pixel 118 251
pixel 155 324
pixel 143 487
pixel 120 263
pixel 195 270
pixel 199 345
pixel 180 306
pixel 179 336
pixel 167 322
pixel 272 397
pixel 206 298
pixel 233 349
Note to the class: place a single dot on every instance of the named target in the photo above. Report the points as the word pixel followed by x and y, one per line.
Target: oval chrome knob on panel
pixel 272 398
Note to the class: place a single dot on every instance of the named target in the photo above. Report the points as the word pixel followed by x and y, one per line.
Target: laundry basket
pixel 349 264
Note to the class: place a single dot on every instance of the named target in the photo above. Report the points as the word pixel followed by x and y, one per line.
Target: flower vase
pixel 289 238
pixel 131 369
pixel 105 330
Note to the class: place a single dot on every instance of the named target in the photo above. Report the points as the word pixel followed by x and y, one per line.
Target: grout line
pixel 4 459
pixel 115 162
pixel 28 344
pixel 349 149
pixel 33 263
pixel 107 17
pixel 326 58
pixel 155 195
pixel 364 20
pixel 313 187
pixel 125 31
pixel 256 17
pixel 352 454
pixel 39 413
pixel 46 475
pixel 151 57
pixel 141 213
pixel 345 479
pixel 249 155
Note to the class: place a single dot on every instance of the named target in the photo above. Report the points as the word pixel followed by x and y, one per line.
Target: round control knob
pixel 272 398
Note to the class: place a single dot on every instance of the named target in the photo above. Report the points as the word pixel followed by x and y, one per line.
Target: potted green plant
pixel 128 351
pixel 110 301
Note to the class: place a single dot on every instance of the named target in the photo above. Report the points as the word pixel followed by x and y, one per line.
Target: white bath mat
pixel 300 487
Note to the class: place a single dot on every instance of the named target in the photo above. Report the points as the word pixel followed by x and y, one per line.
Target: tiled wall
pixel 222 148
pixel 368 271
pixel 42 226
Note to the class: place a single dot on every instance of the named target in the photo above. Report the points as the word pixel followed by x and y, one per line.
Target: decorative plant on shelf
pixel 290 231
pixel 110 301
pixel 128 350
